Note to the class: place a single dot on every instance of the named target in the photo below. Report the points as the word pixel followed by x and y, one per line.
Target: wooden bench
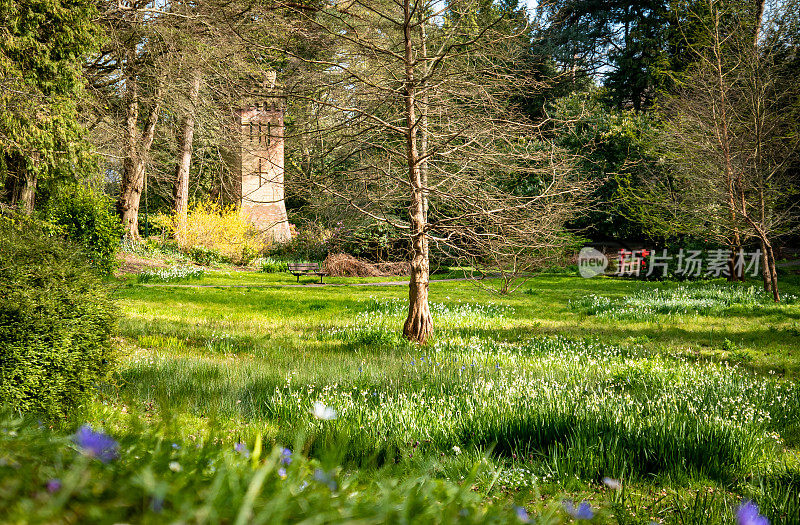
pixel 298 269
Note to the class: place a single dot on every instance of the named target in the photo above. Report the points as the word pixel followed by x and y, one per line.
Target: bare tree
pixel 188 62
pixel 766 118
pixel 729 139
pixel 412 111
pixel 129 63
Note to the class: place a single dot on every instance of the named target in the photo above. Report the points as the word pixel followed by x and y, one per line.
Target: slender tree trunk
pixel 765 270
pixel 423 142
pixel 773 273
pixel 419 323
pixel 724 141
pixel 759 16
pixel 181 189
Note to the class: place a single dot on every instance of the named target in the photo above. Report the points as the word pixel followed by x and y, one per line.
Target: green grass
pixel 694 405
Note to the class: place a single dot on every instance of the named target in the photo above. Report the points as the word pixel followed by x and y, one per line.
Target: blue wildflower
pixel 96 444
pixel 747 514
pixel 176 446
pixel 54 485
pixel 286 456
pixel 522 514
pixel 242 449
pixel 582 512
pixel 282 472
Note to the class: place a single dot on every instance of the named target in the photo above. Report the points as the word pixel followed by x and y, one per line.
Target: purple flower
pixel 522 514
pixel 747 514
pixel 582 512
pixel 286 456
pixel 282 472
pixel 54 485
pixel 96 444
pixel 242 449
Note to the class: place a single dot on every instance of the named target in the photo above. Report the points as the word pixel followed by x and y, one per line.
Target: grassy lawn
pixel 546 391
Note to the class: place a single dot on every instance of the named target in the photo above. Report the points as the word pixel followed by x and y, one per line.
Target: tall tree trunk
pixel 181 189
pixel 423 131
pixel 724 141
pixel 419 323
pixel 137 146
pixel 758 15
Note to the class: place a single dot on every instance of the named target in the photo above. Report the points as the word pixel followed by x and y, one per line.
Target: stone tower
pixel 259 168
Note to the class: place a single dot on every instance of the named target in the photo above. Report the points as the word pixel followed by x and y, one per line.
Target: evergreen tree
pixel 42 47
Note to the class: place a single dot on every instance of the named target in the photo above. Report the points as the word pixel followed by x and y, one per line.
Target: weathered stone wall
pixel 260 166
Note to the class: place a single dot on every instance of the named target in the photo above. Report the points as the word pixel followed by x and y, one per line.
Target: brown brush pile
pixel 402 268
pixel 343 265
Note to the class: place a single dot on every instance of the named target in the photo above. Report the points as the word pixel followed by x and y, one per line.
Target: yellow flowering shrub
pixel 214 231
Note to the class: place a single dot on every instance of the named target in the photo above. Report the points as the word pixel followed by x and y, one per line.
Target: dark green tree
pixel 43 44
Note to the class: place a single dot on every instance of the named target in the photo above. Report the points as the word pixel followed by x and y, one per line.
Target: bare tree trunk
pixel 419 323
pixel 724 141
pixel 773 273
pixel 132 182
pixel 27 193
pixel 765 271
pixel 423 143
pixel 181 189
pixel 137 145
pixel 759 16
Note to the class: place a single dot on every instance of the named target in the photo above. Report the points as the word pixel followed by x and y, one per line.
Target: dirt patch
pixel 130 263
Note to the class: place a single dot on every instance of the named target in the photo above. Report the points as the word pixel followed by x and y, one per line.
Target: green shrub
pixel 86 218
pixel 56 319
pixel 205 256
pixel 271 265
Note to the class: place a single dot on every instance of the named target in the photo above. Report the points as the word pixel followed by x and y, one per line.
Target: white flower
pixel 456 450
pixel 174 466
pixel 323 412
pixel 612 483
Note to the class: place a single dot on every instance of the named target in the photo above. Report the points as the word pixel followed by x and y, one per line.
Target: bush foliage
pixel 56 319
pixel 86 217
